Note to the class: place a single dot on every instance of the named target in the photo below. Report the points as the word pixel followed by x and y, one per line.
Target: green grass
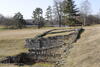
pixel 2 28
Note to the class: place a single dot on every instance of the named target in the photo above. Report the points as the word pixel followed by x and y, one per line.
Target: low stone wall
pixel 51 48
pixel 45 43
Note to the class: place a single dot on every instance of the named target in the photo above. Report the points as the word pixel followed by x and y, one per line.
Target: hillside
pixel 86 52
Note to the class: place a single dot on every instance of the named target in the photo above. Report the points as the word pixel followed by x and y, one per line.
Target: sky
pixel 10 7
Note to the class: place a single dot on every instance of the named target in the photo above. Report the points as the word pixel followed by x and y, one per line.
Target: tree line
pixel 15 22
pixel 62 13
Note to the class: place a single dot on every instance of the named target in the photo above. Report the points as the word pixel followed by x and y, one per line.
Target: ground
pixel 85 53
pixel 12 41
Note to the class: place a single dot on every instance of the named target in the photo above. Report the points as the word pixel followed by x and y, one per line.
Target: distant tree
pixel 37 14
pixel 42 22
pixel 85 10
pixel 98 14
pixel 8 22
pixel 58 11
pixel 20 22
pixel 2 18
pixel 93 19
pixel 70 11
pixel 49 15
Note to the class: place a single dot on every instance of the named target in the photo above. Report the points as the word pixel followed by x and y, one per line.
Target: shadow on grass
pixel 79 34
pixel 20 60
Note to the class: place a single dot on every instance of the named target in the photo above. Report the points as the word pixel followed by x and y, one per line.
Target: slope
pixel 86 51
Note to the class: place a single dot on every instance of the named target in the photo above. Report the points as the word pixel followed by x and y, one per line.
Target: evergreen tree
pixel 70 11
pixel 49 15
pixel 20 22
pixel 37 15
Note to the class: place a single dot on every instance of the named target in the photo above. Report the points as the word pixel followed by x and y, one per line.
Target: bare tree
pixel 85 10
pixel 58 11
pixel 98 14
pixel 2 18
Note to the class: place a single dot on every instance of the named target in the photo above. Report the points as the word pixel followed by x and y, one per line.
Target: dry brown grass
pixel 86 52
pixel 34 65
pixel 12 42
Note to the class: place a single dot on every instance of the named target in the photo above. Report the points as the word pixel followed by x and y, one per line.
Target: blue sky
pixel 26 7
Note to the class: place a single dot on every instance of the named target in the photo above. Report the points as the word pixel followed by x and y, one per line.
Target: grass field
pixel 12 41
pixel 85 53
